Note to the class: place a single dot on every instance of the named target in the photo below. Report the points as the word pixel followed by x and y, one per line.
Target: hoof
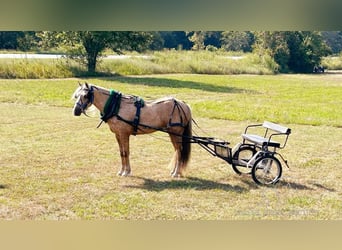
pixel 176 175
pixel 126 174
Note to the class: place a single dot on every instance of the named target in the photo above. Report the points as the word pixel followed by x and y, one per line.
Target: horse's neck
pixel 100 97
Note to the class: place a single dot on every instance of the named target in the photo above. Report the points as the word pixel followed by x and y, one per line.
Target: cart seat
pixel 262 141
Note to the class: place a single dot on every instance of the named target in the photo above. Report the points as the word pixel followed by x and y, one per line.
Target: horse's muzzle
pixel 77 111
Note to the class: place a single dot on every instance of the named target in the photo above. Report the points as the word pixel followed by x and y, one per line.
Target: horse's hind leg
pixel 123 141
pixel 177 170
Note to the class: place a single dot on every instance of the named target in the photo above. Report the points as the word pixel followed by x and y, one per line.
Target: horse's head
pixel 84 96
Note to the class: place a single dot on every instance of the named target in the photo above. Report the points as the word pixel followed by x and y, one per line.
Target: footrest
pixel 262 141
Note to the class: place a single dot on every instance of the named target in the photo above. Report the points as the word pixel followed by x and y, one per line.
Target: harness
pixel 180 111
pixel 138 103
pixel 112 107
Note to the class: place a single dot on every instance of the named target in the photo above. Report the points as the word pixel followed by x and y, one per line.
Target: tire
pixel 266 170
pixel 244 153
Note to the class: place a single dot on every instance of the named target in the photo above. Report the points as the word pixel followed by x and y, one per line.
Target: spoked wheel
pixel 266 170
pixel 241 157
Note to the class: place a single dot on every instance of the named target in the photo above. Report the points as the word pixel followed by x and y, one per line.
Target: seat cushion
pixel 262 141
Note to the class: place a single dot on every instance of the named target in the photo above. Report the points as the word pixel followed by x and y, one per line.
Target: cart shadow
pixel 282 184
pixel 301 186
pixel 192 183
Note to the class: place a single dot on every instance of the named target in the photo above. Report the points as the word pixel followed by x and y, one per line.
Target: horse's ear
pixel 79 84
pixel 86 84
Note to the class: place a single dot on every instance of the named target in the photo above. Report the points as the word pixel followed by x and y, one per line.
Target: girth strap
pixel 138 103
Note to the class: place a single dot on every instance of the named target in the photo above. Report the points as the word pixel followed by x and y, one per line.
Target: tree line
pixel 293 51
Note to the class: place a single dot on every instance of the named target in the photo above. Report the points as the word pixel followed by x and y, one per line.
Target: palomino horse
pixel 127 115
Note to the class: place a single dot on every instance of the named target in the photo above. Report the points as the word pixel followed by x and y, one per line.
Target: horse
pixel 128 115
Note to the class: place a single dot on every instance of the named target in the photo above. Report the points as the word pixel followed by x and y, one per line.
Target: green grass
pixel 289 99
pixel 57 166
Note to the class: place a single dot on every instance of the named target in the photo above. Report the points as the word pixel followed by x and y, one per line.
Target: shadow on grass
pixel 2 186
pixel 172 83
pixel 281 184
pixel 186 183
pixel 294 185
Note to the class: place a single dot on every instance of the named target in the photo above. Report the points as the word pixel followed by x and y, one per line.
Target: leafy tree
pixel 237 40
pixel 197 38
pixel 334 40
pixel 275 45
pixel 204 39
pixel 28 41
pixel 306 50
pixel 9 39
pixel 87 46
pixel 212 38
pixel 295 51
pixel 175 40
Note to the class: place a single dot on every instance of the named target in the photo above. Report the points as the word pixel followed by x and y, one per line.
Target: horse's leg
pixel 123 141
pixel 176 141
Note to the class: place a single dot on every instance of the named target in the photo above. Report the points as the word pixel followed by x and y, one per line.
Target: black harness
pixel 180 112
pixel 138 103
pixel 112 107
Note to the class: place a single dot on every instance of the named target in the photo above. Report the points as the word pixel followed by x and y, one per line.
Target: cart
pixel 256 154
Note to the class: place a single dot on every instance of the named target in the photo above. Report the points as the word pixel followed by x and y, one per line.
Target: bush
pixel 332 62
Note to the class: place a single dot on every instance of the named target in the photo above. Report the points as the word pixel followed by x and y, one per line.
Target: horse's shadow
pixel 173 83
pixel 191 183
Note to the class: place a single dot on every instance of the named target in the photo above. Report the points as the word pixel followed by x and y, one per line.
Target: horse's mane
pixel 73 96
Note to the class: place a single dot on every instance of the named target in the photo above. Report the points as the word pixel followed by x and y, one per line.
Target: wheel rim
pixel 242 157
pixel 266 170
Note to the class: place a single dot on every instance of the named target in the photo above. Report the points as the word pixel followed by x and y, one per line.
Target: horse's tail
pixel 186 143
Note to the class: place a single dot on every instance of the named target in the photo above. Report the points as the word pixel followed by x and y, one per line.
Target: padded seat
pixel 262 141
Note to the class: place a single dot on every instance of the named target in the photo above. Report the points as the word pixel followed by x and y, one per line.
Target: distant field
pixel 56 166
pixel 166 62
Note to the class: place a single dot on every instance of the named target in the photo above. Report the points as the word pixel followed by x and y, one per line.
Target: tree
pixel 306 50
pixel 274 44
pixel 237 41
pixel 197 38
pixel 87 46
pixel 175 40
pixel 9 39
pixel 295 51
pixel 334 40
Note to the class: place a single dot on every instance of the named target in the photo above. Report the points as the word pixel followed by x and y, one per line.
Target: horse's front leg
pixel 123 141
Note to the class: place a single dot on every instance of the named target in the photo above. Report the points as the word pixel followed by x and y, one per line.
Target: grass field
pixel 57 166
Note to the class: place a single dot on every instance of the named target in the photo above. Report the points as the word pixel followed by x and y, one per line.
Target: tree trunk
pixel 91 62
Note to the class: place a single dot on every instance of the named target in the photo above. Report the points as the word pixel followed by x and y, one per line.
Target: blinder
pixel 90 99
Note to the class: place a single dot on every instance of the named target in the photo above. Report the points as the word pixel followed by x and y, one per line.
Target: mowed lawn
pixel 57 166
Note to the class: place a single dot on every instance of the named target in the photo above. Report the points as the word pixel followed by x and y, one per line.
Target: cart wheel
pixel 241 157
pixel 266 170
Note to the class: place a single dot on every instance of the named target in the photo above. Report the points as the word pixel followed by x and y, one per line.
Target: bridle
pixel 90 100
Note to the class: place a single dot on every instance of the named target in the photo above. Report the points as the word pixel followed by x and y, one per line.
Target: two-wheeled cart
pixel 255 155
